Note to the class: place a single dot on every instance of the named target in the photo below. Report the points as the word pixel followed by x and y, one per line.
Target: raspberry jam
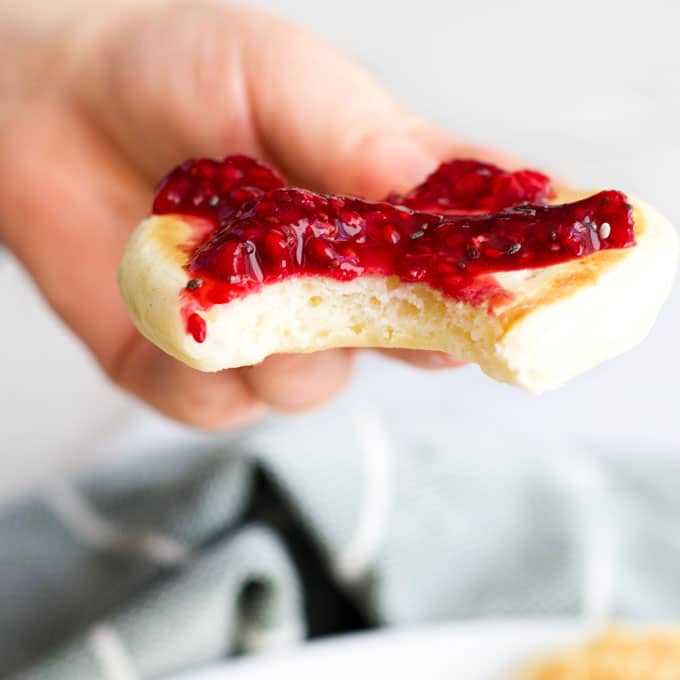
pixel 470 186
pixel 264 233
pixel 214 189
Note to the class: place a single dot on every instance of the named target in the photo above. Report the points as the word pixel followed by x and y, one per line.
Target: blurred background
pixel 415 496
pixel 587 90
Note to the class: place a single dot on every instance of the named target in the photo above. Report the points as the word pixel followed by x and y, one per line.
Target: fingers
pixel 423 359
pixel 205 400
pixel 166 82
pixel 204 78
pixel 299 382
pixel 325 120
pixel 331 127
pixel 230 398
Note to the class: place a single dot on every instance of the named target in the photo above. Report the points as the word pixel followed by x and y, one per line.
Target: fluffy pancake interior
pixel 562 320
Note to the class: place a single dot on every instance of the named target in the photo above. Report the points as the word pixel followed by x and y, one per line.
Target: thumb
pixel 186 79
pixel 328 124
pixel 324 120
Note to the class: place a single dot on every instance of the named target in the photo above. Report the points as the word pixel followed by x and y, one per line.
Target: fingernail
pixel 409 162
pixel 394 163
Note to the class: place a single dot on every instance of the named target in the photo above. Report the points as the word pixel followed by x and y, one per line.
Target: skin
pixel 102 99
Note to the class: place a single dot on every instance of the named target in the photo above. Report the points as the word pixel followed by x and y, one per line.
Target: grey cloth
pixel 162 562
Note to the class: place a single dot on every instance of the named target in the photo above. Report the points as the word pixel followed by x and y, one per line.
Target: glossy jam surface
pixel 214 189
pixel 195 325
pixel 291 232
pixel 463 186
pixel 263 233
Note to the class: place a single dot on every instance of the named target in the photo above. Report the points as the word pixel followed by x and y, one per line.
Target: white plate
pixel 477 651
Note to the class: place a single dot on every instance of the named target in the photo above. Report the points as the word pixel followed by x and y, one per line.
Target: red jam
pixel 276 233
pixel 464 186
pixel 196 326
pixel 214 189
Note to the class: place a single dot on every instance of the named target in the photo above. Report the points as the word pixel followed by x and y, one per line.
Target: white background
pixel 587 90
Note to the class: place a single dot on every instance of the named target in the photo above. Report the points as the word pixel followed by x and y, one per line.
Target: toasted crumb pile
pixel 617 655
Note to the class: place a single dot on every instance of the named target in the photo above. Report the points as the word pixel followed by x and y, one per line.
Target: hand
pixel 107 97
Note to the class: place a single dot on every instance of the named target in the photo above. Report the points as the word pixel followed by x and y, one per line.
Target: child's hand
pixel 104 98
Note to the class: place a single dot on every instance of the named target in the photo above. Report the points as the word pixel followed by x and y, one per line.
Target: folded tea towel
pixel 187 548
